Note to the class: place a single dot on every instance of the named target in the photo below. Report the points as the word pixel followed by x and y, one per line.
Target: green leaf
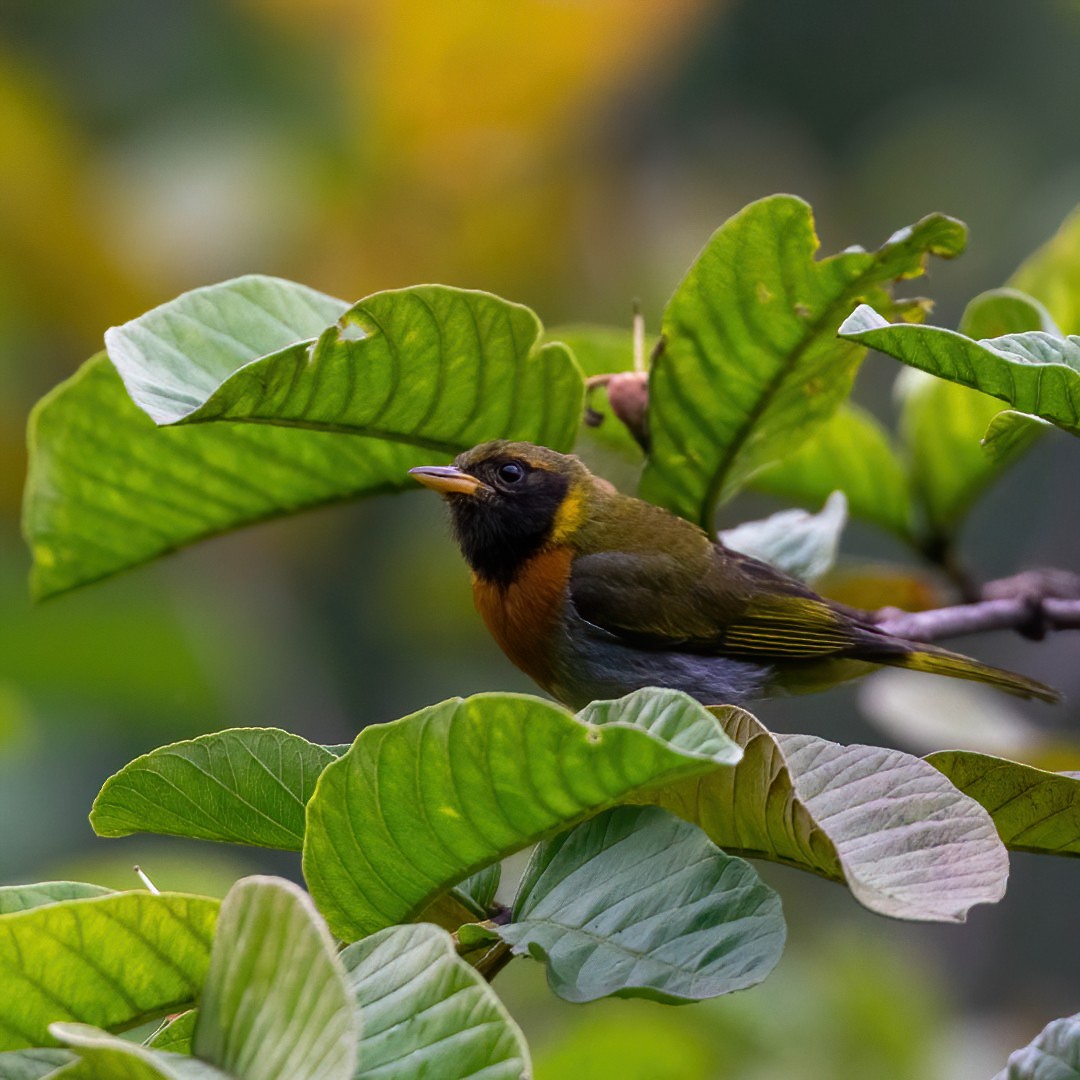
pixel 175 1035
pixel 1052 274
pixel 275 1003
pixel 479 889
pixel 751 364
pixel 112 961
pixel 1053 1055
pixel 944 424
pixel 850 452
pixel 904 840
pixel 430 366
pixel 242 786
pixel 427 1013
pixel 801 544
pixel 1009 434
pixel 31 1064
pixel 1033 810
pixel 637 903
pixel 107 490
pixel 419 804
pixel 23 897
pixel 1035 372
pixel 106 1057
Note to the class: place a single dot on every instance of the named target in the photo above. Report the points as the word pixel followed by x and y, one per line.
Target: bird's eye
pixel 511 472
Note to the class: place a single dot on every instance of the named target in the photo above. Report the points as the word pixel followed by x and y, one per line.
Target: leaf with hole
pixel 638 903
pixel 243 786
pixel 420 804
pixel 111 961
pixel 418 999
pixel 751 365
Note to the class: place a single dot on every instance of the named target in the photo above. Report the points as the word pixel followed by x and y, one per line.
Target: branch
pixel 1032 603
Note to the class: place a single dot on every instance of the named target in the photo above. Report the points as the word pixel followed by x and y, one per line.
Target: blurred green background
pixel 572 155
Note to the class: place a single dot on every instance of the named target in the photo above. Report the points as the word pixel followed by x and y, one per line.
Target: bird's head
pixel 509 500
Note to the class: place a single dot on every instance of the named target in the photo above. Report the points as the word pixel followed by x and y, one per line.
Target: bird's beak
pixel 448 479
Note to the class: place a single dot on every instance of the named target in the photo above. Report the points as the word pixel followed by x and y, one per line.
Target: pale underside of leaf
pixel 1053 1055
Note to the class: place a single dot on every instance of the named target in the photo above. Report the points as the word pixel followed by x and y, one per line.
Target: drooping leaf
pixel 420 804
pixel 31 1064
pixel 944 423
pixel 906 844
pixel 107 1057
pixel 1054 1054
pixel 638 903
pixel 23 897
pixel 751 364
pixel 801 544
pixel 243 786
pixel 110 961
pixel 1034 372
pixel 275 1003
pixel 408 375
pixel 175 1034
pixel 427 1013
pixel 1052 274
pixel 1033 810
pixel 107 490
pixel 850 452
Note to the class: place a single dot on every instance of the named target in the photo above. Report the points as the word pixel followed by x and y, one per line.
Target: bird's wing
pixel 733 606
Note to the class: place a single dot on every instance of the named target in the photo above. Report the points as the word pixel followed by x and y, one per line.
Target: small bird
pixel 594 594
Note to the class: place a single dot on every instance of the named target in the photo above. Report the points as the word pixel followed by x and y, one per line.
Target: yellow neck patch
pixel 570 514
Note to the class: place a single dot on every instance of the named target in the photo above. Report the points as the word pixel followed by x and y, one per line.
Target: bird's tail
pixel 943 662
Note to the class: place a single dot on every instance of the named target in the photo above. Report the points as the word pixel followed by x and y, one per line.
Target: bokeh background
pixel 572 155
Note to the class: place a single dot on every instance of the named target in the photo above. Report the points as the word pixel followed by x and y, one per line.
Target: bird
pixel 595 594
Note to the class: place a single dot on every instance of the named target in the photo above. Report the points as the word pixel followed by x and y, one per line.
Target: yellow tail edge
pixel 942 662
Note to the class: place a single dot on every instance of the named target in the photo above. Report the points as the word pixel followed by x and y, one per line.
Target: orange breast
pixel 522 616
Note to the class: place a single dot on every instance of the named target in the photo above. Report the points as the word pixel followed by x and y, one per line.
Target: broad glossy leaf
pixel 420 804
pixel 751 364
pixel 904 840
pixel 1033 810
pixel 1034 372
pixel 31 1064
pixel 944 423
pixel 430 366
pixel 275 1003
pixel 23 897
pixel 427 1013
pixel 799 543
pixel 638 903
pixel 1053 1055
pixel 243 786
pixel 850 452
pixel 1052 274
pixel 111 961
pixel 107 489
pixel 175 1034
pixel 106 1057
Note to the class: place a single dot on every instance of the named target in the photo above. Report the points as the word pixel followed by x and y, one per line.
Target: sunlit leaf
pixel 850 452
pixel 111 961
pixel 243 786
pixel 637 903
pixel 751 363
pixel 1034 372
pixel 107 489
pixel 427 1013
pixel 1033 810
pixel 275 1003
pixel 175 1034
pixel 23 897
pixel 1010 433
pixel 1053 1055
pixel 1052 274
pixel 799 543
pixel 904 840
pixel 420 804
pixel 944 423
